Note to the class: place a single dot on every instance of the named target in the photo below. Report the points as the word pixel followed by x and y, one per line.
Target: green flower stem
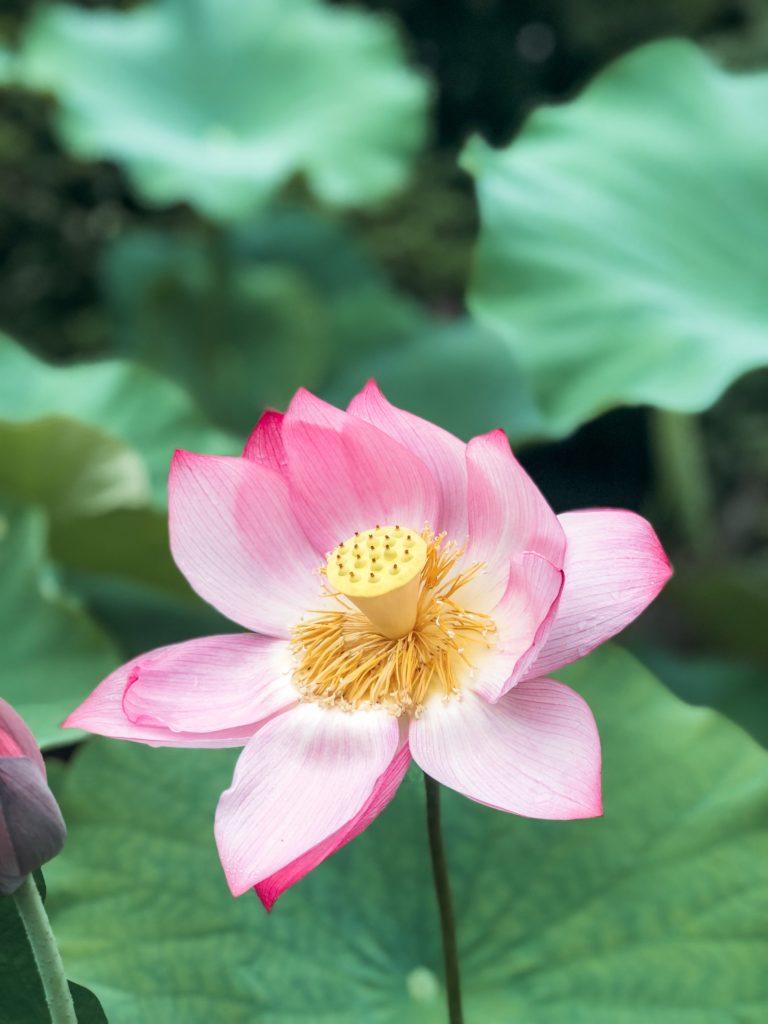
pixel 444 901
pixel 217 324
pixel 45 952
pixel 221 259
pixel 683 478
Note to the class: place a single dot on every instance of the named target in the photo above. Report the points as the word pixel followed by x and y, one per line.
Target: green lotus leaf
pixel 455 373
pixel 239 334
pixel 220 102
pixel 654 912
pixel 53 653
pixel 113 423
pixel 622 249
pixel 736 688
pixel 290 300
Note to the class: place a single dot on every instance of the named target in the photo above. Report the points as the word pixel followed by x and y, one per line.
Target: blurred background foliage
pixel 544 215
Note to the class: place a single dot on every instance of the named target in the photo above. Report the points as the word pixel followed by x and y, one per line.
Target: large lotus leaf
pixel 656 912
pixel 298 303
pixel 736 688
pixel 327 254
pixel 22 999
pixel 240 334
pixel 455 373
pixel 622 250
pixel 82 418
pixel 219 102
pixel 52 653
pixel 125 543
pixel 138 615
pixel 70 468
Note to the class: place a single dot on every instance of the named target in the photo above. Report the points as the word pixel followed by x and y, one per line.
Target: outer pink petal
pixel 384 789
pixel 16 739
pixel 265 445
pixel 614 567
pixel 211 684
pixel 346 475
pixel 302 778
pixel 507 512
pixel 535 753
pixel 234 536
pixel 523 619
pixel 442 453
pixel 210 692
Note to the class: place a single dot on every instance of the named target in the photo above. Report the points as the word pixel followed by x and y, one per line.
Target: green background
pixel 547 216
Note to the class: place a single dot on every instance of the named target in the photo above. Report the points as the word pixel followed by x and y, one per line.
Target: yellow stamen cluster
pixel 344 660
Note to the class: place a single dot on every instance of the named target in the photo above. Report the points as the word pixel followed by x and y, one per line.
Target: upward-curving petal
pixel 523 619
pixel 536 752
pixel 302 779
pixel 442 453
pixel 208 692
pixel 507 512
pixel 346 475
pixel 234 536
pixel 614 567
pixel 265 444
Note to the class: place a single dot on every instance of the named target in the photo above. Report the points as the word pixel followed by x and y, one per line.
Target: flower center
pixel 399 632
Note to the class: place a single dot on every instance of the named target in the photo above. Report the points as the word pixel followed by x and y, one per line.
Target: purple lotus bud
pixel 32 830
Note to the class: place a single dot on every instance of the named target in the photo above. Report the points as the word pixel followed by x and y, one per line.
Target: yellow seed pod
pixel 381 576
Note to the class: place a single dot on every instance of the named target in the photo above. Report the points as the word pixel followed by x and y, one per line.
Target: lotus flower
pixel 32 830
pixel 407 596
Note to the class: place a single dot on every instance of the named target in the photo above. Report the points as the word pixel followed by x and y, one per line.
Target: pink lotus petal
pixel 614 567
pixel 302 778
pixel 209 692
pixel 265 445
pixel 523 619
pixel 442 453
pixel 234 536
pixel 346 475
pixel 16 739
pixel 507 513
pixel 535 753
pixel 383 791
pixel 211 684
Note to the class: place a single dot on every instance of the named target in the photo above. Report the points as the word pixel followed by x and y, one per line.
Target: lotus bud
pixel 32 830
